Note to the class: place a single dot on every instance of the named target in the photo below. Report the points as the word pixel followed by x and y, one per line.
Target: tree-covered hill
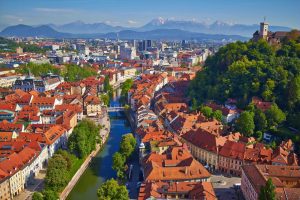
pixel 7 45
pixel 242 70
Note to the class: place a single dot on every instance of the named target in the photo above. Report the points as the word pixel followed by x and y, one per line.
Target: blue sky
pixel 139 12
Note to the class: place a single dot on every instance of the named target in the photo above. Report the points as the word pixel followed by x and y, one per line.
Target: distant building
pixel 29 83
pixel 19 50
pixel 127 52
pixel 269 36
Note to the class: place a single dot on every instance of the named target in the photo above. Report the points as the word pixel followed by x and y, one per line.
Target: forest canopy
pixel 242 70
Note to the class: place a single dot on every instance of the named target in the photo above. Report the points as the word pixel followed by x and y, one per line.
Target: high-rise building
pixel 127 52
pixel 149 44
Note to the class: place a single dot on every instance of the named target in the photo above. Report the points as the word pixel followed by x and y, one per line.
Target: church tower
pixel 264 29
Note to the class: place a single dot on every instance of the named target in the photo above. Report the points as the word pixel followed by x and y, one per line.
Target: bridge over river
pixel 115 108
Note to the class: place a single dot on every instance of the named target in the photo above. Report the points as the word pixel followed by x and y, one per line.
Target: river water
pixel 100 168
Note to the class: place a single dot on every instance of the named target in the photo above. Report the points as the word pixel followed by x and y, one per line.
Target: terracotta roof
pixel 259 174
pixel 175 164
pixel 6 136
pixel 233 150
pixel 7 126
pixel 40 101
pixel 163 190
pixel 204 140
pixel 54 133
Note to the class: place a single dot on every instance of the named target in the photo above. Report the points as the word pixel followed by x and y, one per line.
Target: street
pixel 132 187
pixel 224 187
pixel 37 185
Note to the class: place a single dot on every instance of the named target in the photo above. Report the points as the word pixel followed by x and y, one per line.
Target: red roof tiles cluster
pixel 174 190
pixel 175 164
pixel 285 179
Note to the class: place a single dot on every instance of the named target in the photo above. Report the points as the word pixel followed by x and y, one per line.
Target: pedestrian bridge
pixel 115 108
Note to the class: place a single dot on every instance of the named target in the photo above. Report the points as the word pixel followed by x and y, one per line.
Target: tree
pixel 50 195
pixel 112 190
pixel 126 87
pixel 275 116
pixel 73 72
pixel 127 145
pixel 245 123
pixel 105 99
pixel 119 164
pixel 294 91
pixel 106 86
pixel 207 111
pixel 126 148
pixel 218 115
pixel 242 70
pixel 37 196
pixel 84 138
pixel 57 175
pixel 267 192
pixel 194 104
pixel 259 135
pixel 260 120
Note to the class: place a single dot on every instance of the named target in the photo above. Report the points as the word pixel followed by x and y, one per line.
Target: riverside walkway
pixel 104 133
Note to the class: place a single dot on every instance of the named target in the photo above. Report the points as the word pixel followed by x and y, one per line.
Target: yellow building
pixel 4 189
pixel 204 146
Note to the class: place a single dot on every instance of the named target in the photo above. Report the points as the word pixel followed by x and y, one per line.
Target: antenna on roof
pixel 265 18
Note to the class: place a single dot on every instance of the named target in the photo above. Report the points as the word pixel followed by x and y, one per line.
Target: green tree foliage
pixel 194 104
pixel 61 167
pixel 242 70
pixel 70 158
pixel 275 115
pixel 37 196
pixel 260 120
pixel 107 87
pixel 10 46
pixel 207 111
pixel 38 69
pixel 217 114
pixel 267 192
pixel 126 87
pixel 84 137
pixel 127 145
pixel 50 195
pixel 57 175
pixel 70 72
pixel 294 91
pixel 245 123
pixel 73 72
pixel 105 99
pixel 259 135
pixel 111 190
pixel 119 164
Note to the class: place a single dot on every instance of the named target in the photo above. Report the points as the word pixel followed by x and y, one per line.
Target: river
pixel 100 168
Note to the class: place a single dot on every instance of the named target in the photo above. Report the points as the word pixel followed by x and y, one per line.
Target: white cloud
pixel 13 18
pixel 54 10
pixel 131 22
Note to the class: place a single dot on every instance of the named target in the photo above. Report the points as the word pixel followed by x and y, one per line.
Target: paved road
pixel 37 185
pixel 132 183
pixel 223 186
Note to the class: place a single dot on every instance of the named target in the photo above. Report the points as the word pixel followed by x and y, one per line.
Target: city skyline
pixel 137 13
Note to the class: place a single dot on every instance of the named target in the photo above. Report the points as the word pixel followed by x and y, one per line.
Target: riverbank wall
pixel 130 117
pixel 64 194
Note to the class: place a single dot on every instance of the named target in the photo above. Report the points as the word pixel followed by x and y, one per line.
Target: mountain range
pixel 157 34
pixel 156 29
pixel 218 27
